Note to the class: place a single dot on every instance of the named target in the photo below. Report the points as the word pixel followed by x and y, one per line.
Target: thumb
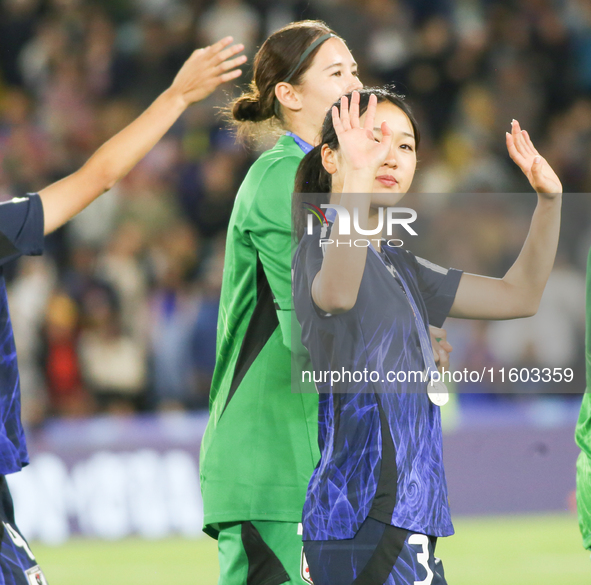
pixel 387 136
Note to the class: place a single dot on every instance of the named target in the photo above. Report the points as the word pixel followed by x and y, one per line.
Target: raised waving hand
pixel 534 166
pixel 203 71
pixel 358 146
pixel 207 68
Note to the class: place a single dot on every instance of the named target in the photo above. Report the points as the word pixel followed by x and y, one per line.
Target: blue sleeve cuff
pixel 446 296
pixel 34 241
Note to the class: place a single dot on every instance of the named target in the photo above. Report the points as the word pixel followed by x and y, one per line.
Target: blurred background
pixel 115 325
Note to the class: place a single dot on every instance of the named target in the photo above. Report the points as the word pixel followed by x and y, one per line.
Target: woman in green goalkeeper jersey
pixel 260 446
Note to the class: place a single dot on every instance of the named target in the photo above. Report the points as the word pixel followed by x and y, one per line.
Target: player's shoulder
pixel 275 168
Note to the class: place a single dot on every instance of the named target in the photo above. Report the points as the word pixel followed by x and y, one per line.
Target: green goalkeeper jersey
pixel 583 433
pixel 260 446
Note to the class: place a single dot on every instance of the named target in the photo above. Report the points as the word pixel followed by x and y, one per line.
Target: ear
pixel 329 159
pixel 288 97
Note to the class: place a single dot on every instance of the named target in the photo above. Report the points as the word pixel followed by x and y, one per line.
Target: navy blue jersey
pixel 380 440
pixel 21 232
pixel 17 562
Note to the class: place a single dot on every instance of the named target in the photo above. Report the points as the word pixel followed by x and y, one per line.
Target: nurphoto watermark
pixel 387 219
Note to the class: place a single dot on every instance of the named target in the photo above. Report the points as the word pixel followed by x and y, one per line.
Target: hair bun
pixel 247 109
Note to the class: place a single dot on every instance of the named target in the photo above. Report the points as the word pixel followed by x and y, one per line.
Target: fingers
pixel 226 65
pixel 439 335
pixel 536 169
pixel 441 347
pixel 345 120
pixel 229 76
pixel 529 143
pixel 336 120
pixel 523 142
pixel 518 138
pixel 443 362
pixel 385 129
pixel 446 345
pixel 217 47
pixel 370 114
pixel 227 53
pixel 354 110
pixel 523 152
pixel 387 136
pixel 441 358
pixel 516 157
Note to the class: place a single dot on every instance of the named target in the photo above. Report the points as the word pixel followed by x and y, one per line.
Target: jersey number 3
pixel 423 556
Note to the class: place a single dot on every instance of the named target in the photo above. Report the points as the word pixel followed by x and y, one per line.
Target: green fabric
pixel 281 537
pixel 583 433
pixel 231 555
pixel 258 454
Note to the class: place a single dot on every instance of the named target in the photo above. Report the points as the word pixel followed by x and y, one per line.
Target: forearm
pixel 111 162
pixel 337 284
pixel 122 152
pixel 530 272
pixel 519 292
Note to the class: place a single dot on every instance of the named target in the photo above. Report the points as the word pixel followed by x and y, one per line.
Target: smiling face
pixel 395 176
pixel 333 73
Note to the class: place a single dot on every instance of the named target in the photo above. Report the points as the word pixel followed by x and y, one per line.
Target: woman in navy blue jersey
pixel 23 223
pixel 377 500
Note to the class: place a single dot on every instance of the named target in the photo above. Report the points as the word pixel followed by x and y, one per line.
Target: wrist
pixel 175 98
pixel 549 198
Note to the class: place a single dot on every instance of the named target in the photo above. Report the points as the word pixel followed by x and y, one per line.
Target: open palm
pixel 207 68
pixel 535 167
pixel 358 146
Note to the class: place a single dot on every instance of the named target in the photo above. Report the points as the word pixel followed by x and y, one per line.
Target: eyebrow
pixel 403 133
pixel 339 64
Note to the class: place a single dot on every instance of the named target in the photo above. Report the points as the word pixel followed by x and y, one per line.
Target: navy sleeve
pixel 21 228
pixel 438 288
pixel 307 264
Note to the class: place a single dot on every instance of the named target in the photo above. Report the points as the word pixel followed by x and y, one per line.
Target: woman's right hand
pixel 207 68
pixel 358 147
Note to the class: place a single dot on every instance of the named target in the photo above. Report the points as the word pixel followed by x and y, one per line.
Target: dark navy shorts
pixel 379 554
pixel 17 563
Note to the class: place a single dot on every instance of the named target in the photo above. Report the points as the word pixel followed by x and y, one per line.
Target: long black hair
pixel 313 183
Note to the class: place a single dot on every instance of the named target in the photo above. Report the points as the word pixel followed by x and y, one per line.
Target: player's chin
pixel 386 196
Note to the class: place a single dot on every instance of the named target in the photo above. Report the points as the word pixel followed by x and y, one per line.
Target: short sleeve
pixel 21 228
pixel 438 288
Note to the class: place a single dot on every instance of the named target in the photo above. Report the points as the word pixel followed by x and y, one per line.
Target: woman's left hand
pixel 535 167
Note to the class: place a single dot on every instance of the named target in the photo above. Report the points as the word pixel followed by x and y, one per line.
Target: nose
pixel 354 84
pixel 391 160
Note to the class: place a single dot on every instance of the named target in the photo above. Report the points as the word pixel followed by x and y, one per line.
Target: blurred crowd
pixel 120 314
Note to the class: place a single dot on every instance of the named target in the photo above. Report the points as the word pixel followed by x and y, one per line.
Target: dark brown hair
pixel 313 183
pixel 273 62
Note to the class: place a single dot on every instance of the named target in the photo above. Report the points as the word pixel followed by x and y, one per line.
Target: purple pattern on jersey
pixel 15 561
pixel 13 448
pixel 21 232
pixel 342 488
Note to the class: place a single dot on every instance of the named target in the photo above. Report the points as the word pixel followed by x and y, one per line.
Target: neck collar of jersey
pixel 305 146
